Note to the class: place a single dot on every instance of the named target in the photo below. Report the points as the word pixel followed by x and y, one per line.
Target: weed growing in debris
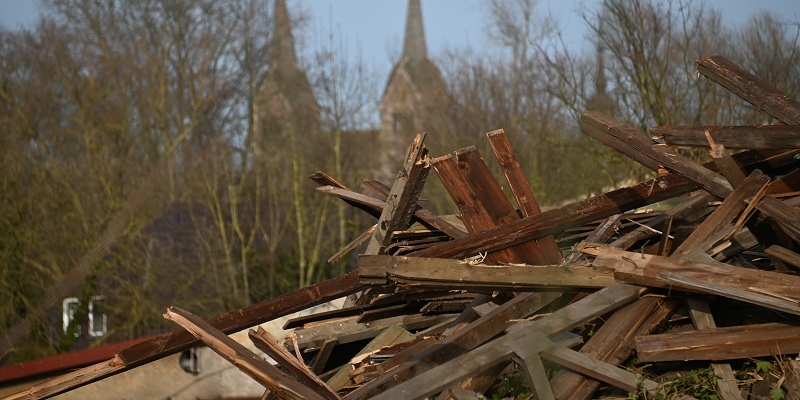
pixel 698 383
pixel 512 385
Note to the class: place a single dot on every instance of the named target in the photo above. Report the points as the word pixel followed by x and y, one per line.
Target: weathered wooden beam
pixel 402 200
pixel 278 382
pixel 348 330
pixel 644 269
pixel 336 314
pixel 726 213
pixel 751 88
pixel 597 369
pixel 589 210
pixel 475 216
pixel 234 321
pixel 358 241
pixel 636 146
pixel 728 167
pixel 460 342
pixel 556 220
pixel 783 254
pixel 689 210
pixel 755 295
pixel 522 192
pixel 481 359
pixel 483 206
pixel 701 316
pixel 389 336
pixel 735 342
pixel 427 217
pixel 600 234
pixel 495 204
pixel 787 184
pixel 527 351
pixel 372 205
pixel 613 342
pixel 317 363
pixel 70 380
pixel 732 137
pixel 453 350
pixel 270 346
pixel 452 274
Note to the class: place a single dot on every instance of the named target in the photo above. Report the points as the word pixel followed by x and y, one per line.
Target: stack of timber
pixel 589 299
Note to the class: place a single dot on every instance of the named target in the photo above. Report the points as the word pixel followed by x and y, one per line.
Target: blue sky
pixel 373 28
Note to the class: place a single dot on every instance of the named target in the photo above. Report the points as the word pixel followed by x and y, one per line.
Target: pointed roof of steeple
pixel 282 43
pixel 600 82
pixel 414 42
pixel 600 100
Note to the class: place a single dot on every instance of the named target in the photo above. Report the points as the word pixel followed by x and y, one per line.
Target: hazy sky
pixel 374 28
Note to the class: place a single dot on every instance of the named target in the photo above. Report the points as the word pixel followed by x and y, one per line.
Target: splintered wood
pixel 448 306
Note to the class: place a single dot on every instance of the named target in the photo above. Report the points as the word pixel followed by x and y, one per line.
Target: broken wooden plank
pixel 751 88
pixel 522 192
pixel 402 200
pixel 437 272
pixel 444 355
pixel 460 342
pixel 732 137
pixel 638 147
pixel 728 343
pixel 783 254
pixel 70 380
pixel 527 352
pixel 613 342
pixel 689 211
pixel 600 234
pixel 726 213
pixel 495 204
pixel 597 369
pixel 348 330
pixel 755 295
pixel 234 321
pixel 463 366
pixel 270 346
pixel 358 241
pixel 644 269
pixel 701 316
pixel 728 167
pixel 427 217
pixel 282 385
pixel 317 363
pixel 335 314
pixel 556 220
pixel 635 146
pixel 475 216
pixel 389 336
pixel 592 209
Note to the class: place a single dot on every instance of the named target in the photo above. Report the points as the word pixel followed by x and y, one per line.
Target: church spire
pixel 600 82
pixel 414 42
pixel 282 43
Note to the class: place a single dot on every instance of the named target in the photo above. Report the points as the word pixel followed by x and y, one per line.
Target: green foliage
pixel 699 383
pixel 763 366
pixel 777 393
pixel 512 385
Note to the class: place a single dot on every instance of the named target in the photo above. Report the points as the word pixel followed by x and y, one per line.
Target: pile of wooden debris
pixel 450 309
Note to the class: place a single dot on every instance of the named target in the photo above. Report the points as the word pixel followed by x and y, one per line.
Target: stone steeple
pixel 282 51
pixel 414 41
pixel 600 100
pixel 285 101
pixel 415 97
